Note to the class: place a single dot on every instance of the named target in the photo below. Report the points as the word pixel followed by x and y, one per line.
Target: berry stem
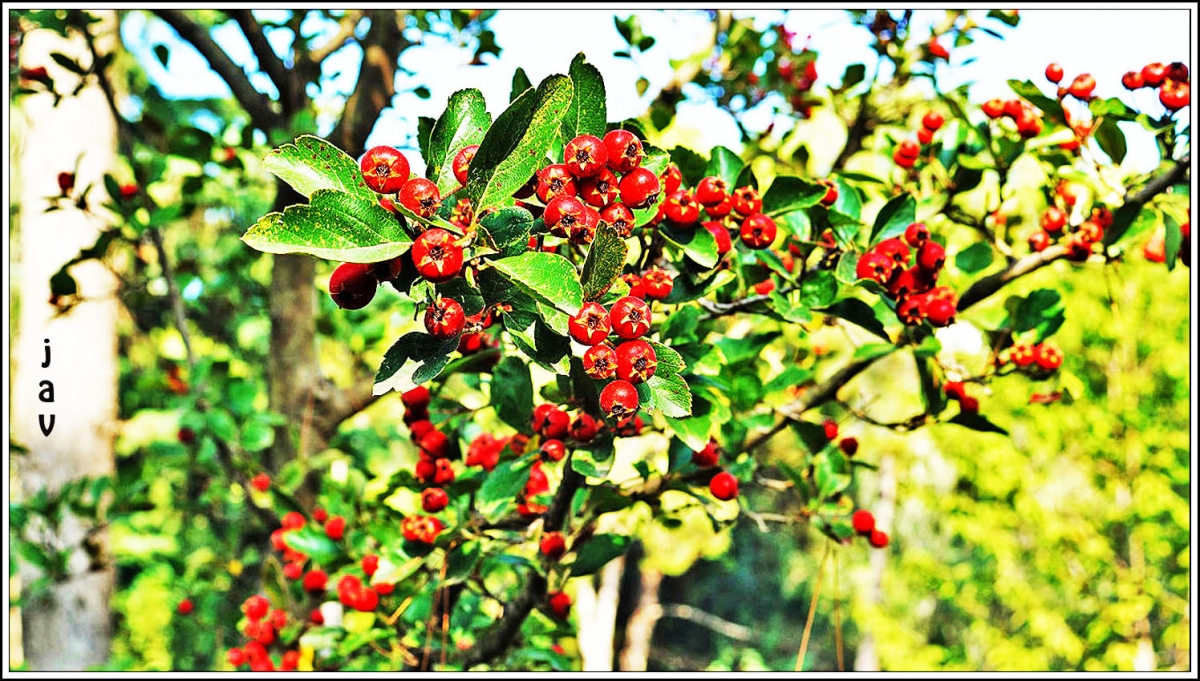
pixel 812 608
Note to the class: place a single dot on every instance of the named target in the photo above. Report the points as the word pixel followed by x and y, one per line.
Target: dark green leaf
pixel 855 73
pixel 1010 18
pixel 68 63
pixel 724 164
pixel 594 461
pixel 858 312
pixel 818 289
pixel 412 360
pixel 313 543
pixel 499 491
pixel 935 399
pixel 312 164
pixel 1124 217
pixel 790 377
pixel 831 472
pixel 604 260
pixel 787 194
pixel 462 124
pixel 597 551
pixel 512 392
pixel 974 258
pixel 872 351
pixel 692 166
pixel 894 218
pixel 520 83
pixel 1030 92
pixel 1173 241
pixel 976 422
pixel 746 178
pixel 697 243
pixel 1111 139
pixel 516 144
pixel 645 43
pixel 1111 108
pixel 587 112
pixel 508 229
pixel 63 284
pixel 548 277
pixel 334 226
pixel 1037 309
pixel 162 53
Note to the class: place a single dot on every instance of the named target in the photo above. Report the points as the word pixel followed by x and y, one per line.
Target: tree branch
pixel 256 104
pixel 346 27
pixel 268 61
pixel 376 82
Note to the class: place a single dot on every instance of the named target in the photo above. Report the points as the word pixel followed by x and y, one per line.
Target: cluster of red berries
pixel 912 287
pixel 262 627
pixel 633 361
pixel 864 524
pixel 723 485
pixel 1081 86
pixel 1038 359
pixel 848 445
pixel 798 74
pixel 725 208
pixel 434 446
pixel 1172 80
pixel 1027 119
pixel 1079 239
pixel 907 151
pixel 957 391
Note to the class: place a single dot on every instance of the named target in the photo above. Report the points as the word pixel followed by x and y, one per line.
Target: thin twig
pixel 837 617
pixel 812 608
pixel 268 61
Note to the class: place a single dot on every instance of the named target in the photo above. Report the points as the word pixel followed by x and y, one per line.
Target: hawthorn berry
pixel 878 539
pixel 591 326
pixel 911 310
pixel 863 521
pixel 636 361
pixel 657 283
pixel 1054 72
pixel 924 136
pixel 969 405
pixel 876 266
pixel 940 312
pixel 721 209
pixel 831 429
pixel 600 361
pixel 848 445
pixel 186 435
pixel 993 108
pixel 681 208
pixel 462 162
pixel 831 193
pixel 671 179
pixel 443 472
pixel 712 191
pixel 236 657
pixel 261 482
pixel 290 661
pixel 585 156
pixel 315 580
pixel 1133 80
pixel 437 257
pixel 583 428
pixel 335 527
pixel 445 318
pixel 758 231
pixel 600 190
pixel 619 400
pixel 630 427
pixel 555 180
pixel 384 169
pixel 619 216
pixel 554 450
pixel 434 444
pixel 370 563
pixel 256 607
pixel 746 201
pixel 707 457
pixel 384 588
pixel 560 604
pixel 352 285
pixel 1154 73
pixel 434 499
pixel 724 242
pixel 553 545
pixel 634 282
pixel 551 423
pixel 625 151
pixel 1173 95
pixel 420 196
pixel 1081 88
pixel 764 287
pixel 185 607
pixel 933 121
pixel 292 520
pixel 1038 241
pixel 639 188
pixel 1053 220
pixel 630 317
pixel 938 50
pixel 1176 71
pixel 931 256
pixel 723 486
pixel 1047 356
pixel 538 482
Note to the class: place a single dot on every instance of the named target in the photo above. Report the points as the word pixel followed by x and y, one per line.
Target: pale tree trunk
pixel 68 628
pixel 639 630
pixel 866 659
pixel 596 613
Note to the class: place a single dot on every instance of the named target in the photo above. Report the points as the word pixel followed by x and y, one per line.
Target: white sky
pixel 1104 41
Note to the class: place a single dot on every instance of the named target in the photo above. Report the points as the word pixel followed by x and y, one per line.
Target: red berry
pixel 66 182
pixel 924 136
pixel 256 607
pixel 657 283
pixel 911 310
pixel 591 326
pixel 462 162
pixel 712 191
pixel 863 521
pixel 969 405
pixel 600 190
pixel 876 266
pixel 370 563
pixel 437 257
pixel 290 660
pixel 639 188
pixel 671 179
pixel 746 201
pixel 435 444
pixel 723 486
pixel 185 607
pixel 916 234
pixel 315 580
pixel 1054 72
pixel 443 472
pixel 1177 71
pixel 721 209
pixel 366 601
pixel 553 545
pixel 1174 96
pixel 384 588
pixel 1047 356
pixel 764 287
pixel 831 429
pixel 758 231
pixel 903 161
pixel 681 208
pixel 908 149
pixel 261 482
pixel 831 193
pixel 434 499
pixel 630 317
pixel 554 450
pixel 937 50
pixel 352 285
pixel 636 361
pixel 630 427
pixel 619 400
pixel 552 423
pixel 384 169
pixel 707 457
pixel 186 435
pixel 619 216
pixel 560 604
pixel 636 289
pixel 878 539
pixel 420 196
pixel 583 428
pixel 292 521
pixel 1153 74
pixel 445 318
pixel 933 121
pixel 563 214
pixel 600 361
pixel 1053 220
pixel 555 180
pixel 585 156
pixel 1133 80
pixel 625 151
pixel 993 108
pixel 335 527
pixel 940 312
pixel 724 242
pixel 848 445
pixel 320 515
pixel 931 256
pixel 1038 241
pixel 236 657
pixel 1081 88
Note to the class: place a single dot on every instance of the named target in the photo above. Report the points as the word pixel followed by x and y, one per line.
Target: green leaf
pixel 831 472
pixel 334 226
pixel 692 166
pixel 499 491
pixel 787 194
pixel 1125 217
pixel 547 277
pixel 1041 309
pixel 670 395
pixel 818 289
pixel 932 394
pixel 1111 108
pixel 686 288
pixel 669 361
pixel 462 124
pixel 412 360
pixel 312 164
pixel 516 144
pixel 520 83
pixel 976 422
pixel 512 392
pixel 858 312
pixel 595 460
pixel 587 113
pixel 697 243
pixel 894 218
pixel 655 160
pixel 855 74
pixel 1111 139
pixel 791 376
pixel 1029 91
pixel 597 552
pixel 313 543
pixel 508 229
pixel 604 260
pixel 872 351
pixel 724 164
pixel 847 267
pixel 974 258
pixel 1173 240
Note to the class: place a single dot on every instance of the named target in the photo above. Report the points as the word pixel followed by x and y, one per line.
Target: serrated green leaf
pixel 512 392
pixel 508 229
pixel 787 194
pixel 669 361
pixel 895 217
pixel 724 164
pixel 671 395
pixel 462 124
pixel 547 277
pixel 515 146
pixel 872 351
pixel 692 166
pixel 412 360
pixel 605 258
pixel 334 226
pixel 1140 218
pixel 597 552
pixel 587 113
pixel 696 242
pixel 311 164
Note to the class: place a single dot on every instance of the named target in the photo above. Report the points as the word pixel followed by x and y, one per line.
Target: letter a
pixel 47 393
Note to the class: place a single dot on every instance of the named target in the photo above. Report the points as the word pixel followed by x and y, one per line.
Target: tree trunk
pixel 68 627
pixel 597 616
pixel 639 631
